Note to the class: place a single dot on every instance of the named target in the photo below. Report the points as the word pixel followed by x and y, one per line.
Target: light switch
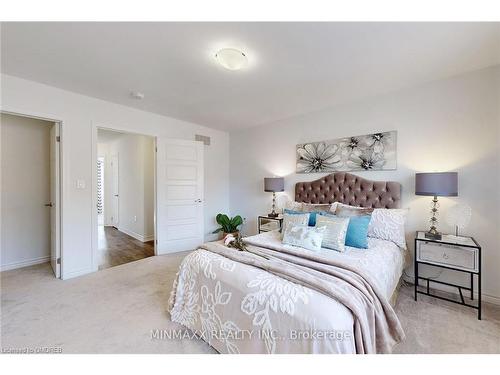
pixel 80 184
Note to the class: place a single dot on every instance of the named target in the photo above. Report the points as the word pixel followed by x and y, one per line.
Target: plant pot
pixel 224 234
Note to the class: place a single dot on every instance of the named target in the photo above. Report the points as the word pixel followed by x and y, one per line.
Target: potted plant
pixel 228 225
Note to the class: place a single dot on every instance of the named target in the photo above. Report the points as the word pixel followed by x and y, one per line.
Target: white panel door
pixel 179 194
pixel 115 191
pixel 55 246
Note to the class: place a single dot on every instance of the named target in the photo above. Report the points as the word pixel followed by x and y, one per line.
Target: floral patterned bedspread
pixel 237 308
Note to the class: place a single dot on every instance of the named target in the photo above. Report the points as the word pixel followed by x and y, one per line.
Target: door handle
pixel 198 201
pixel 49 204
pixel 116 195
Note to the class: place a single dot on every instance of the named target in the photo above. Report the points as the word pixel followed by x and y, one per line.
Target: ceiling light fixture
pixel 137 95
pixel 231 58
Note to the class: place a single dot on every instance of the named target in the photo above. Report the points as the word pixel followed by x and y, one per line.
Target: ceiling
pixel 294 68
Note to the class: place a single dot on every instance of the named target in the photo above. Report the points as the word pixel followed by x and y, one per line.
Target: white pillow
pixel 333 207
pixel 294 219
pixel 309 238
pixel 316 207
pixel 388 224
pixel 345 210
pixel 335 231
pixel 294 206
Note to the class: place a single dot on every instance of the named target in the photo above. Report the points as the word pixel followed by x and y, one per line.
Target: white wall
pixel 25 159
pixel 449 125
pixel 80 115
pixel 136 183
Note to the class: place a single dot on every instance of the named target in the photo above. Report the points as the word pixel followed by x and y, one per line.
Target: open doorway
pixel 125 197
pixel 31 192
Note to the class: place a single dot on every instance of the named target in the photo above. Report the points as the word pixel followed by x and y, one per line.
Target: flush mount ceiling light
pixel 231 58
pixel 137 95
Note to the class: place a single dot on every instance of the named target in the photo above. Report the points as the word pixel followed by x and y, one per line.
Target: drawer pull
pixel 445 256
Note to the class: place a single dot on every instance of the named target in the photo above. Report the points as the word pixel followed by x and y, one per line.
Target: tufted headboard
pixel 350 189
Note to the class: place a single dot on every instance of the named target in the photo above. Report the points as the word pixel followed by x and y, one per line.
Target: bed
pixel 240 302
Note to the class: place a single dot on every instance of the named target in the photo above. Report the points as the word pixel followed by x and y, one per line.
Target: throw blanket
pixel 376 326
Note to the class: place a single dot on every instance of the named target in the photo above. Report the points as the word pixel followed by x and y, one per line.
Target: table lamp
pixel 274 185
pixel 438 184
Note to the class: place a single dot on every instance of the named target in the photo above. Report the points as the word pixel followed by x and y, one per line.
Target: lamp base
pixel 432 233
pixel 273 214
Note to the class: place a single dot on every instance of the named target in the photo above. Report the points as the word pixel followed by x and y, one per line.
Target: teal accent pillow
pixel 357 232
pixel 312 215
pixel 292 212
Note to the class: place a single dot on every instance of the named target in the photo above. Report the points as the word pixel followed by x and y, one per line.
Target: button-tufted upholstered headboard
pixel 350 189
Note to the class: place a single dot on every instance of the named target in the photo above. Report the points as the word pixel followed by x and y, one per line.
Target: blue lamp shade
pixel 274 184
pixel 442 184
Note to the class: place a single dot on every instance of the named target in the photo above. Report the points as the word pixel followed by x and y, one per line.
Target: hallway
pixel 117 248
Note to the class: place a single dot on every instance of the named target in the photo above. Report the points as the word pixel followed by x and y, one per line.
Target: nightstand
pixel 457 253
pixel 267 224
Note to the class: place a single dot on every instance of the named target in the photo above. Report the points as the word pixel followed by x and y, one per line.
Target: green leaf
pixel 228 225
pixel 224 220
pixel 236 221
pixel 218 218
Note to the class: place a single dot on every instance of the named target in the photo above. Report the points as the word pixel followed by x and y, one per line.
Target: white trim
pixel 445 288
pixel 137 236
pixel 24 263
pixel 149 237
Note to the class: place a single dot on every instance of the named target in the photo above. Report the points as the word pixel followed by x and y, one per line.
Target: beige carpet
pixel 114 311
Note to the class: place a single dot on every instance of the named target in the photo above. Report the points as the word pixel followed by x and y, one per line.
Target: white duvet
pixel 239 308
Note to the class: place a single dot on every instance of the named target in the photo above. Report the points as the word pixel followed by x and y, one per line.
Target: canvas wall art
pixel 370 152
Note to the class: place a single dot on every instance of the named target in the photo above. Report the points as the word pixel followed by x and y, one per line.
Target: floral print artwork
pixel 360 153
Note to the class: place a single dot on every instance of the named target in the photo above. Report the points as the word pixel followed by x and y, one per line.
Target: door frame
pixel 60 191
pixel 95 128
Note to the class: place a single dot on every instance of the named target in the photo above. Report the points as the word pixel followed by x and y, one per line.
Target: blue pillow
pixel 357 232
pixel 312 216
pixel 292 212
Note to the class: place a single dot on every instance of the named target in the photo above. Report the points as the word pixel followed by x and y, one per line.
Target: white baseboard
pixel 137 236
pixel 24 263
pixel 445 288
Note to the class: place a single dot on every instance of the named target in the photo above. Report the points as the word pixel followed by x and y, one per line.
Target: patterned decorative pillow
pixel 345 210
pixel 389 224
pixel 294 218
pixel 309 238
pixel 335 231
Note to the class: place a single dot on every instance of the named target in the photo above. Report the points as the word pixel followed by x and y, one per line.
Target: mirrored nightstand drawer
pixel 267 224
pixel 448 255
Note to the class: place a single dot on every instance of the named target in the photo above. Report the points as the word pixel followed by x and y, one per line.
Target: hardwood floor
pixel 117 248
